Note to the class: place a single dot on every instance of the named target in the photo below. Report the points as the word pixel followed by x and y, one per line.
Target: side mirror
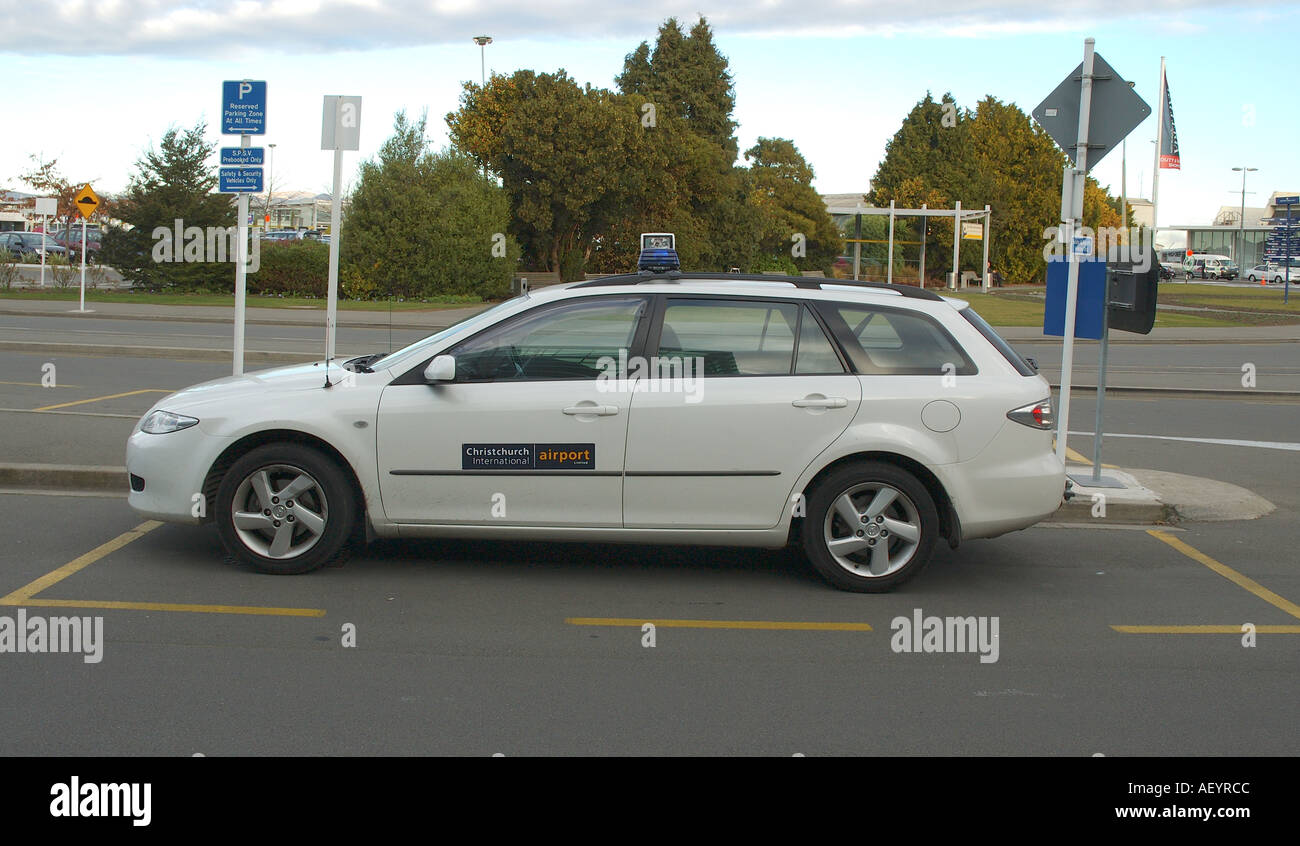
pixel 441 369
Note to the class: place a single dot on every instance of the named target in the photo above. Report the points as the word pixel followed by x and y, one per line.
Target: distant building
pixel 1243 241
pixel 290 210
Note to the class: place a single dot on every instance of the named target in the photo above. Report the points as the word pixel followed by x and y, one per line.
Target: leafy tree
pixel 425 223
pixel 788 207
pixel 687 77
pixel 573 160
pixel 173 182
pixel 927 153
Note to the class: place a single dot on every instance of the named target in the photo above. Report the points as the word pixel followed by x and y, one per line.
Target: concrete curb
pixel 81 477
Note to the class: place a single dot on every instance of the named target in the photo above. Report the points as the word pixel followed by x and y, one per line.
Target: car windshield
pixel 480 317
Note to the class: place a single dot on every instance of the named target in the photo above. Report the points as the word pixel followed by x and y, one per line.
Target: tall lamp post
pixel 483 41
pixel 270 185
pixel 1241 264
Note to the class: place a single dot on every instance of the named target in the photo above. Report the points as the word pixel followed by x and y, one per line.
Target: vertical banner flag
pixel 1168 136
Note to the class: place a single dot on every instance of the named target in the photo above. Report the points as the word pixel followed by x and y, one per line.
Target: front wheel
pixel 285 509
pixel 870 527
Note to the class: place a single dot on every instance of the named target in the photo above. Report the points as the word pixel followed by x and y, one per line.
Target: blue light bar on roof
pixel 658 253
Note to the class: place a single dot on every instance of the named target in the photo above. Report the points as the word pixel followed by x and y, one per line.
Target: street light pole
pixel 270 183
pixel 1242 223
pixel 483 41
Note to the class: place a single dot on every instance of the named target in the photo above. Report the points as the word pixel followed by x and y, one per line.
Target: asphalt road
pixel 482 648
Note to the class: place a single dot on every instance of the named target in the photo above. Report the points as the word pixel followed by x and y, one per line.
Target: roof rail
pixel 911 291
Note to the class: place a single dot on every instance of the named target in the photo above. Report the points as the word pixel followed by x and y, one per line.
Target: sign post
pixel 1289 202
pixel 45 206
pixel 1108 110
pixel 340 130
pixel 86 202
pixel 243 113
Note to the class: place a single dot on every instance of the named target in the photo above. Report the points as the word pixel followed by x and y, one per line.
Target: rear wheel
pixel 870 527
pixel 285 509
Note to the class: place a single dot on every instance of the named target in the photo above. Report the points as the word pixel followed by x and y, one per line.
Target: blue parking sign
pixel 239 180
pixel 243 107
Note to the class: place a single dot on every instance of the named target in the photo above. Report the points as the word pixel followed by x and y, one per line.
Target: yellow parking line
pixel 38 385
pixel 1075 455
pixel 1228 573
pixel 81 562
pixel 100 399
pixel 176 606
pixel 775 625
pixel 1234 630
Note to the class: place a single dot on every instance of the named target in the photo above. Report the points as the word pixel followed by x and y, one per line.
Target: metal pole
pixel 1286 239
pixel 1241 262
pixel 988 219
pixel 1101 384
pixel 1123 184
pixel 857 246
pixel 1155 177
pixel 336 231
pixel 83 263
pixel 956 244
pixel 925 231
pixel 241 268
pixel 889 271
pixel 45 244
pixel 1072 279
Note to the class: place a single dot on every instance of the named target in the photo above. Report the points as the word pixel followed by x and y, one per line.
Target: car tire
pixel 273 533
pixel 892 539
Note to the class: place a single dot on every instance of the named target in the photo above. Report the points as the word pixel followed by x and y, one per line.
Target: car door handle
pixel 820 402
pixel 602 410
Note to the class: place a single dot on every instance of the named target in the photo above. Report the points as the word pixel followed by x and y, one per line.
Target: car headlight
pixel 162 422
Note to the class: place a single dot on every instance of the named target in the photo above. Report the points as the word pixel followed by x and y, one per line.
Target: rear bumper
pixel 1015 482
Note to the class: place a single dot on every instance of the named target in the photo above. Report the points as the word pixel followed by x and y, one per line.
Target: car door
pixel 527 434
pixel 738 399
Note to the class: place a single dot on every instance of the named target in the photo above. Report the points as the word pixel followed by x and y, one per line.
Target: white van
pixel 1209 266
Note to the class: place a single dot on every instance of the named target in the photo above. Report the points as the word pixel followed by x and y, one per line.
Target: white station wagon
pixel 864 420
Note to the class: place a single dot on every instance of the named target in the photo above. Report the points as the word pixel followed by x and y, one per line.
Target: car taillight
pixel 1036 415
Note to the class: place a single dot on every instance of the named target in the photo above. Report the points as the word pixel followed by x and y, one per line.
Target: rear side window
pixel 1022 367
pixel 896 342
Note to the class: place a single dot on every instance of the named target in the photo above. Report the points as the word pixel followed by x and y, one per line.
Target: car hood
pixel 251 386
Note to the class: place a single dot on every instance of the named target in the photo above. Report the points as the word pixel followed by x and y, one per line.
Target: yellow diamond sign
pixel 86 201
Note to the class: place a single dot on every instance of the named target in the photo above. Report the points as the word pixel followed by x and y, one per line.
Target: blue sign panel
pixel 240 180
pixel 243 107
pixel 242 156
pixel 1292 200
pixel 1091 303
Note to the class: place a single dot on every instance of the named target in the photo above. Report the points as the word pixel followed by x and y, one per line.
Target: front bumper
pixel 173 467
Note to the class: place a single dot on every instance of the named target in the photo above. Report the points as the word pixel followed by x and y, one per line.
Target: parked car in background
pixel 28 245
pixel 1168 268
pixel 70 239
pixel 282 235
pixel 1266 273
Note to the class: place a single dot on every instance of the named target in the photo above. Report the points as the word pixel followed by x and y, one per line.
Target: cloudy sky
pixel 94 83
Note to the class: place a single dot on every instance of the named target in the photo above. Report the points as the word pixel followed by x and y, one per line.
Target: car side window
pixel 731 337
pixel 565 341
pixel 816 354
pixel 901 343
